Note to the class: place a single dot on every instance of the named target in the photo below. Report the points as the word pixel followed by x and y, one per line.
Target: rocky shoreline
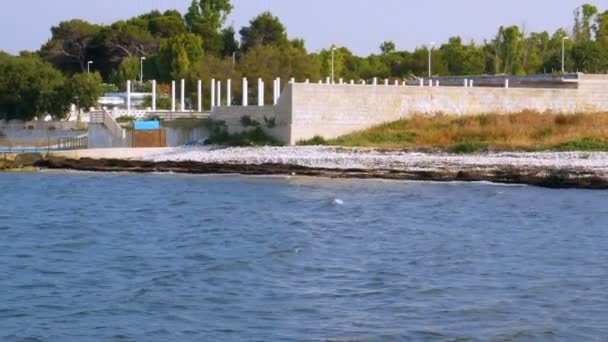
pixel 550 170
pixel 543 177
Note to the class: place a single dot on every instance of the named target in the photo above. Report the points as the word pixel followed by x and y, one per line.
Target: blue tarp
pixel 147 125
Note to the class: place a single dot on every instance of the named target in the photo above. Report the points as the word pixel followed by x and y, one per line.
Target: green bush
pixel 247 121
pixel 125 119
pixel 317 140
pixel 585 144
pixel 467 147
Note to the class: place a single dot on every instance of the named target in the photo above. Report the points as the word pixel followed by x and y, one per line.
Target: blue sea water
pixel 122 257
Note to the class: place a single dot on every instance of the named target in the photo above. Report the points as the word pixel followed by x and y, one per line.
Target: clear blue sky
pixel 359 24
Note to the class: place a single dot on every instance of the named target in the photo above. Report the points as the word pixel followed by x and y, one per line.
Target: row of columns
pixel 216 91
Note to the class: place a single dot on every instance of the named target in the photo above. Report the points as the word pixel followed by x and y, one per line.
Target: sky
pixel 360 25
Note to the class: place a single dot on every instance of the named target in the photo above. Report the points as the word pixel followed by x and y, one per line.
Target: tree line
pixel 199 45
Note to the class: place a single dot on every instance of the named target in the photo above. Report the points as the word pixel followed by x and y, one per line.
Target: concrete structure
pixel 303 110
pixel 330 110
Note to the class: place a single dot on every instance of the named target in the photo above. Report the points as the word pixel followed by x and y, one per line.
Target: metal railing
pixel 66 144
pixel 45 145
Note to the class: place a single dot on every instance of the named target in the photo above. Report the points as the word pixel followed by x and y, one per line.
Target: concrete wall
pixel 281 113
pixel 332 110
pixel 185 136
pixel 100 137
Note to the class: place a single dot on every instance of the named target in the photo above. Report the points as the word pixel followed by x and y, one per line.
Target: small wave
pixel 338 202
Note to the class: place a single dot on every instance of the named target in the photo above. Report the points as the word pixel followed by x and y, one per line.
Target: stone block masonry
pixel 305 110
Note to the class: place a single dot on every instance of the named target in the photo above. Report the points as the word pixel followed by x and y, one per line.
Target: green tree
pixel 128 69
pixel 206 18
pixel 231 45
pixel 84 90
pixel 387 47
pixel 167 25
pixel 270 61
pixel 601 32
pixel 30 88
pixel 339 56
pixel 589 57
pixel 177 55
pixel 265 29
pixel 70 45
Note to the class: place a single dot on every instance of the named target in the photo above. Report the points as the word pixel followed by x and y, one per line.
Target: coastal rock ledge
pixel 550 170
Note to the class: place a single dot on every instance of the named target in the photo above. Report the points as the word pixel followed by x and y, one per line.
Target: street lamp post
pixel 141 70
pixel 89 66
pixel 430 59
pixel 333 49
pixel 564 54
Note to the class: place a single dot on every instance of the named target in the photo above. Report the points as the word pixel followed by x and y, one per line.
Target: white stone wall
pixel 331 110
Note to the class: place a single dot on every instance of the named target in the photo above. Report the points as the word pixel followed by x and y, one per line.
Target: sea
pixel 165 257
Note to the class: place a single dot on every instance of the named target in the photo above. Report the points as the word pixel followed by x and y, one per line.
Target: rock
pixel 26 160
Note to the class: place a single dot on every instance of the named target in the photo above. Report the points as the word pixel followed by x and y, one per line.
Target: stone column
pixel 507 83
pixel 153 107
pixel 219 93
pixel 183 95
pixel 172 96
pixel 245 92
pixel 386 81
pixel 307 81
pixel 397 82
pixel 352 82
pixel 422 82
pixel 199 92
pixel 260 92
pixel 292 81
pixel 129 98
pixel 212 102
pixel 229 92
pixel 375 81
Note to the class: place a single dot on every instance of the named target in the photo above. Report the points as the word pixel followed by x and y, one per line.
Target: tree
pixel 84 90
pixel 206 18
pixel 265 29
pixel 326 61
pixel 601 32
pixel 128 69
pixel 231 45
pixel 69 46
pixel 168 25
pixel 589 57
pixel 130 38
pixel 177 55
pixel 387 47
pixel 30 88
pixel 270 61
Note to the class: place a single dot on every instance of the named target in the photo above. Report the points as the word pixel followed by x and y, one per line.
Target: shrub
pixel 270 122
pixel 317 140
pixel 247 121
pixel 467 147
pixel 125 119
pixel 584 144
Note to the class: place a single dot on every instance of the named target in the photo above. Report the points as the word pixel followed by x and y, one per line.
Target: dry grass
pixel 523 131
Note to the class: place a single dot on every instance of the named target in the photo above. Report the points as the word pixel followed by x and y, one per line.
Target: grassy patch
pixel 525 131
pixel 317 140
pixel 584 144
pixel 467 147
